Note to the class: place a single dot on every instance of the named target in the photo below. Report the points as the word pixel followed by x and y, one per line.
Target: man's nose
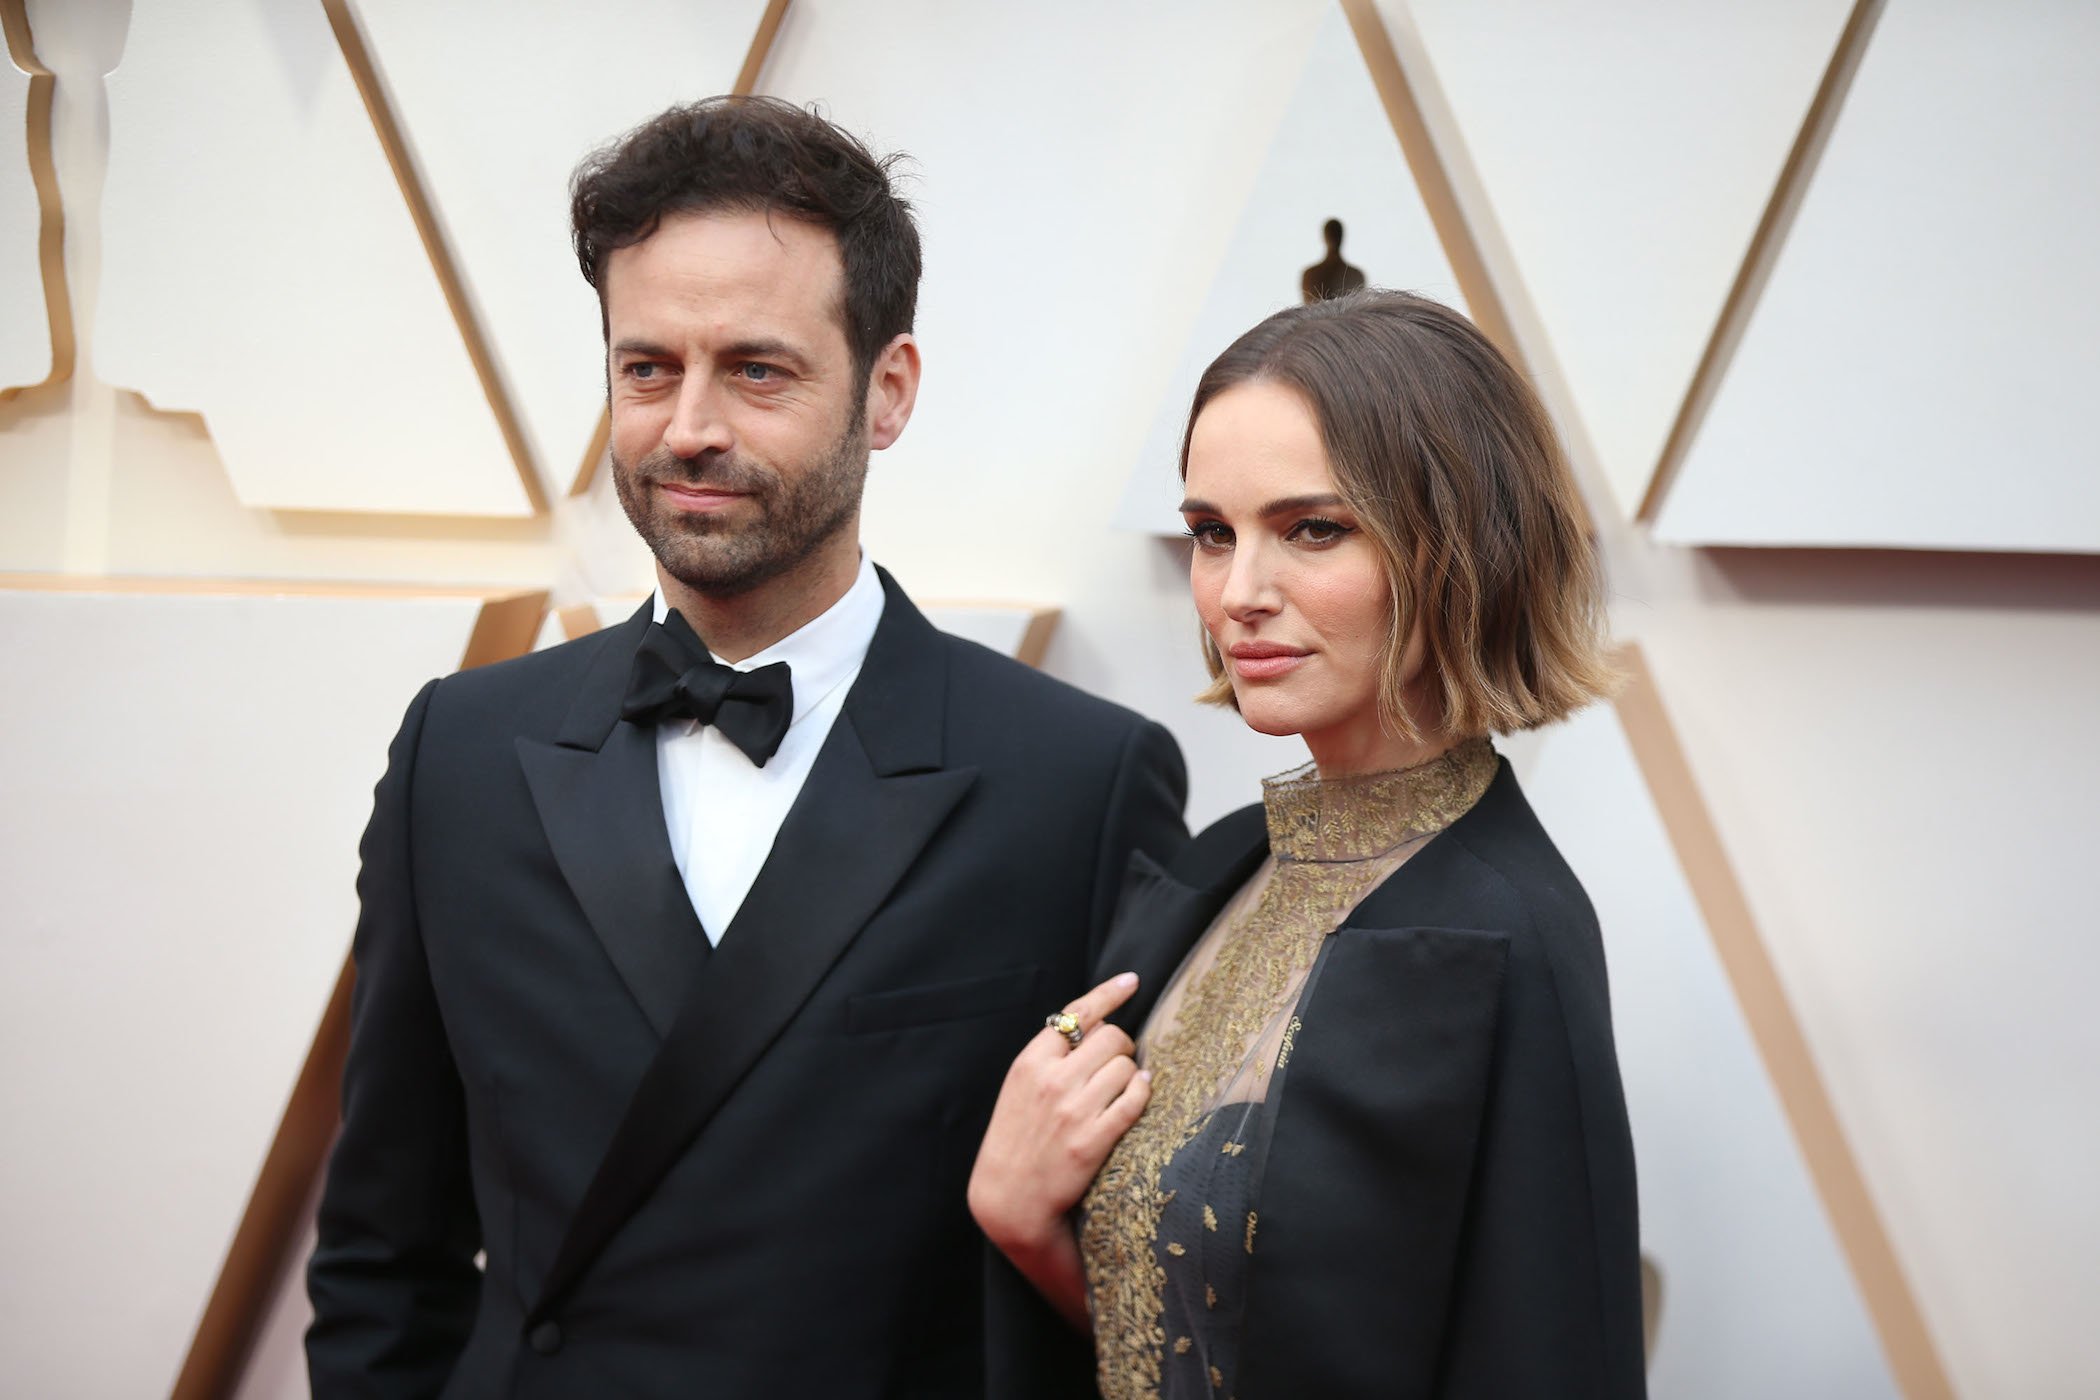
pixel 698 423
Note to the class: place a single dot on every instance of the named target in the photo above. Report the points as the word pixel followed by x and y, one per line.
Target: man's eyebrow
pixel 756 348
pixel 764 348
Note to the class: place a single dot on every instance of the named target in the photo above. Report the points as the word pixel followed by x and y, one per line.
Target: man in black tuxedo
pixel 692 952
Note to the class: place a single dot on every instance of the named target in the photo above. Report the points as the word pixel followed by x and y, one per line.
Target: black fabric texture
pixel 729 1173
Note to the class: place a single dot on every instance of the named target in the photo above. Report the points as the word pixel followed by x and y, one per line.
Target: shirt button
pixel 546 1338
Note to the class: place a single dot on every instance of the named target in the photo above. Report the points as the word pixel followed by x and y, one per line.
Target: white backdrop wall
pixel 186 778
pixel 245 310
pixel 1891 745
pixel 1927 388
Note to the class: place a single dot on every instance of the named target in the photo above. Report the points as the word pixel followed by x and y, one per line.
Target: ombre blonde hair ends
pixel 1452 468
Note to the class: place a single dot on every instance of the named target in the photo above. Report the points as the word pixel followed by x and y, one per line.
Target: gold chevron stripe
pixel 43 172
pixel 1763 253
pixel 1905 1340
pixel 371 86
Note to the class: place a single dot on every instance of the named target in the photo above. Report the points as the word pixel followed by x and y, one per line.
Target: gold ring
pixel 1066 1025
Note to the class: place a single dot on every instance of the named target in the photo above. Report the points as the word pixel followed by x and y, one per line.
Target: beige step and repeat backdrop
pixel 300 403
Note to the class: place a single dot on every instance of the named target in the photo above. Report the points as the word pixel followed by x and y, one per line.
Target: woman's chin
pixel 1280 721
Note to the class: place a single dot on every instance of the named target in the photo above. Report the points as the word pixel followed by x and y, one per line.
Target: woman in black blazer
pixel 1348 1121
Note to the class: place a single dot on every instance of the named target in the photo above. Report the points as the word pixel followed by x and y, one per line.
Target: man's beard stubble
pixel 788 521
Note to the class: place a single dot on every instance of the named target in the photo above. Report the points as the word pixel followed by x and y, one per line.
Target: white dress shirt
pixel 723 810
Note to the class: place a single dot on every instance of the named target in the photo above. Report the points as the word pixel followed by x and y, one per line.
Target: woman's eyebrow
pixel 1323 500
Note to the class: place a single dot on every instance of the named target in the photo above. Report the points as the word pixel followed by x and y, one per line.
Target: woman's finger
pixel 1104 1084
pixel 1101 1045
pixel 1087 1011
pixel 1095 1005
pixel 1123 1110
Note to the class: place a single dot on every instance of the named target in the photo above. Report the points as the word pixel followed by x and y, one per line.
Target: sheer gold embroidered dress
pixel 1172 1221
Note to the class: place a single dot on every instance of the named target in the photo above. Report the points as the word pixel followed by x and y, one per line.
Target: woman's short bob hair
pixel 1451 467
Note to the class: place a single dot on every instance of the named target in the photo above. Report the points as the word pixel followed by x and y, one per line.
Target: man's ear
pixel 893 387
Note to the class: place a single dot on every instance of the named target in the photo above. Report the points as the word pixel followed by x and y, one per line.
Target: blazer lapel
pixel 596 790
pixel 1365 1187
pixel 1364 1191
pixel 1159 916
pixel 876 796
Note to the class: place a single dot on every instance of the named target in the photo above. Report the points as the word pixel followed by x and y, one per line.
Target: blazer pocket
pixel 943 1001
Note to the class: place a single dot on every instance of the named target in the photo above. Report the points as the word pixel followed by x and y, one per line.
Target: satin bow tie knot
pixel 675 678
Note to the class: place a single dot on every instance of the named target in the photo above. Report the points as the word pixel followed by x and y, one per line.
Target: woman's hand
pixel 1060 1112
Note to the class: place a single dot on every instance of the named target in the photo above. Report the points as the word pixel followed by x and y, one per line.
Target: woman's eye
pixel 1315 530
pixel 1210 534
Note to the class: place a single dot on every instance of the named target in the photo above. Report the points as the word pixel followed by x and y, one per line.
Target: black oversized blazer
pixel 1448 1205
pixel 727 1173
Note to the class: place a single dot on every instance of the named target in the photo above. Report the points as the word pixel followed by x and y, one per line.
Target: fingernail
pixel 1145 1074
pixel 1126 979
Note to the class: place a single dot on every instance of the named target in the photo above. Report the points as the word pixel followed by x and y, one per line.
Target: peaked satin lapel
pixel 874 799
pixel 600 805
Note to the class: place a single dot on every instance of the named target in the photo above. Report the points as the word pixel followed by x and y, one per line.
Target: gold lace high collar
pixel 1357 818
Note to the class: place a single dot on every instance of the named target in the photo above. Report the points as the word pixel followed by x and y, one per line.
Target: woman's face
pixel 1291 590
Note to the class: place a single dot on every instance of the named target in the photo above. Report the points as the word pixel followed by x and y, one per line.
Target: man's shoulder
pixel 988 686
pixel 524 692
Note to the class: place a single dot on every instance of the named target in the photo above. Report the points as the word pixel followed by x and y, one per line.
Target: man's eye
pixel 758 373
pixel 641 370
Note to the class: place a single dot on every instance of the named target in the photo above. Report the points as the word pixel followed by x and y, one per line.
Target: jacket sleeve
pixel 1546 1301
pixel 1031 1353
pixel 393 1279
pixel 1144 813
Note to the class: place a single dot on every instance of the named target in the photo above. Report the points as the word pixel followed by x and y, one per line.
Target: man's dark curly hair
pixel 758 154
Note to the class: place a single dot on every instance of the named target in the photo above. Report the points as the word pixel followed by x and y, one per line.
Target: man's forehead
pixel 755 245
pixel 753 260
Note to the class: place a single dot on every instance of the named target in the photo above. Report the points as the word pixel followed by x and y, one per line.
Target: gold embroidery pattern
pixel 1325 837
pixel 1348 819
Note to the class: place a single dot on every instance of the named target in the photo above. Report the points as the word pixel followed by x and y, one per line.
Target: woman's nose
pixel 1250 586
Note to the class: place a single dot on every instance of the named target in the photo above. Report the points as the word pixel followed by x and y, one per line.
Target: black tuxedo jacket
pixel 736 1172
pixel 1448 1204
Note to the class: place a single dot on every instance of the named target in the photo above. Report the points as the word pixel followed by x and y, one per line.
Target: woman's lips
pixel 1265 661
pixel 698 498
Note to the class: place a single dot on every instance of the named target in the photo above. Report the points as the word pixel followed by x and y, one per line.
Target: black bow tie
pixel 674 678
